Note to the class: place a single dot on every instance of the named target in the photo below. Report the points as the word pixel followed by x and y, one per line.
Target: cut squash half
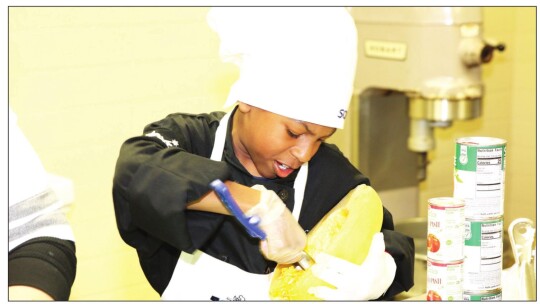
pixel 345 232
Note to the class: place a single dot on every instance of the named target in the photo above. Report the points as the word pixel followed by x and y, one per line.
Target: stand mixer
pixel 418 68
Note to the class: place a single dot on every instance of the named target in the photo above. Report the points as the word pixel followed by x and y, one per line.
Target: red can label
pixel 444 280
pixel 446 227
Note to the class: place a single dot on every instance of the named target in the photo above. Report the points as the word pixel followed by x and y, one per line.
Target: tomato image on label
pixel 433 296
pixel 433 243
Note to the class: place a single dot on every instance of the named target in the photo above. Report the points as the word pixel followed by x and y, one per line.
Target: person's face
pixel 271 145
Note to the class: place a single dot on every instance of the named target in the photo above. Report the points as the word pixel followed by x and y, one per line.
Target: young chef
pixel 297 69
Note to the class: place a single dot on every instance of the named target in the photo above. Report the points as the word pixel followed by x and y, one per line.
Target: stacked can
pixel 445 255
pixel 479 172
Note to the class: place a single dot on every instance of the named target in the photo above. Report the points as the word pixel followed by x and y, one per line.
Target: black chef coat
pixel 158 173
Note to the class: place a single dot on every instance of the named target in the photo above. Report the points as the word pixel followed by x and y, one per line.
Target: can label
pixel 446 227
pixel 491 295
pixel 479 173
pixel 483 254
pixel 444 280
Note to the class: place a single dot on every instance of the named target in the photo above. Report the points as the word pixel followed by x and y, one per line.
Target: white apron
pixel 199 276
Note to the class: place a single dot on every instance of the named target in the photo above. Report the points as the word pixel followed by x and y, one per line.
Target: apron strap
pixel 299 190
pixel 219 141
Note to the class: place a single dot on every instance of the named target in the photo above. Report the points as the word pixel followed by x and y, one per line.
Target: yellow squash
pixel 345 232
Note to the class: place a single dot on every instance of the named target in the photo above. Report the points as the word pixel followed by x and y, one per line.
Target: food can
pixel 444 280
pixel 446 227
pixel 479 173
pixel 483 254
pixel 489 295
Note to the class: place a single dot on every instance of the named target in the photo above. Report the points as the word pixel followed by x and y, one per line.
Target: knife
pixel 250 223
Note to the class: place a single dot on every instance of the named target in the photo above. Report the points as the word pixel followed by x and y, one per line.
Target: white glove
pixel 285 239
pixel 355 282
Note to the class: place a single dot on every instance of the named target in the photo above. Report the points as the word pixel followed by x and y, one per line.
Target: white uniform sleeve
pixel 37 200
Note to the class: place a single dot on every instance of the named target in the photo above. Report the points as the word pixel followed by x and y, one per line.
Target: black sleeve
pixel 401 248
pixel 156 175
pixel 46 263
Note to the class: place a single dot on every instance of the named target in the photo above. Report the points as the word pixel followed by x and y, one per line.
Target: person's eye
pixel 292 134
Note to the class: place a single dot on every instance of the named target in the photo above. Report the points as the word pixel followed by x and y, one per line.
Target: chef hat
pixel 297 62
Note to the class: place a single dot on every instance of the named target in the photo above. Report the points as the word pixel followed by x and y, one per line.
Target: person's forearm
pixel 246 198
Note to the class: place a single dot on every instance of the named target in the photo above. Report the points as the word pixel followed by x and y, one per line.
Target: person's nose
pixel 304 150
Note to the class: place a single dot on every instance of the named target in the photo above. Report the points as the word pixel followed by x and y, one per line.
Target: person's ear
pixel 244 107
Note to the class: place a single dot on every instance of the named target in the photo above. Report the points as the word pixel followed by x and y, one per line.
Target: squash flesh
pixel 345 232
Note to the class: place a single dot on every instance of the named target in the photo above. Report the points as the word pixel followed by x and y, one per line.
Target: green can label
pixel 495 295
pixel 483 254
pixel 479 174
pixel 471 157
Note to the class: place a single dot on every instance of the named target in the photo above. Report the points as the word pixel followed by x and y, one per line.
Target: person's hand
pixel 355 282
pixel 285 239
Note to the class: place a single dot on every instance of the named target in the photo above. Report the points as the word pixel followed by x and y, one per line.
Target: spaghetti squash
pixel 345 232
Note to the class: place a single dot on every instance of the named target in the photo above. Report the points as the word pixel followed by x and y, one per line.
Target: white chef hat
pixel 297 62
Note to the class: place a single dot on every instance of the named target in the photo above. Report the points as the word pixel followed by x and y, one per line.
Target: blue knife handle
pixel 250 223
